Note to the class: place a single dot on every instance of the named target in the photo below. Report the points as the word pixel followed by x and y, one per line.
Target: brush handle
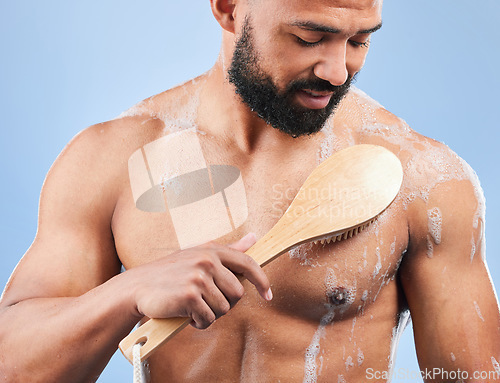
pixel 155 332
pixel 282 237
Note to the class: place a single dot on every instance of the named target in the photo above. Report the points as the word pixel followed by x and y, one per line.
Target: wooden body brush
pixel 338 199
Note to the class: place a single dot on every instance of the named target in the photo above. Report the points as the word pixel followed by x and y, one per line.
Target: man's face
pixel 294 68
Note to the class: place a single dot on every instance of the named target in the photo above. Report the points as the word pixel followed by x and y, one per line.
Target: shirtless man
pixel 268 108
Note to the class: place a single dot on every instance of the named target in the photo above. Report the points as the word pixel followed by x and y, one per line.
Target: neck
pixel 223 114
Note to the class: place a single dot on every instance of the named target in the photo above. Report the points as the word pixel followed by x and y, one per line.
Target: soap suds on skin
pixel 302 253
pixel 311 371
pixel 404 320
pixel 364 297
pixel 478 311
pixel 175 117
pixel 349 363
pixel 438 171
pixel 361 357
pixel 430 247
pixel 429 164
pixel 365 261
pixel 352 329
pixel 495 364
pixel 378 266
pixel 473 249
pixel 329 143
pixel 435 221
pixel 393 246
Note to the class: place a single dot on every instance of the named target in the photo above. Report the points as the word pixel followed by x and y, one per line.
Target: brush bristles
pixel 345 235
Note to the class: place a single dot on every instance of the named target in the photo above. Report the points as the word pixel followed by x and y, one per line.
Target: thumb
pixel 244 243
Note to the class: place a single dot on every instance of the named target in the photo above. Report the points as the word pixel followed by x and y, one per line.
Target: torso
pixel 304 334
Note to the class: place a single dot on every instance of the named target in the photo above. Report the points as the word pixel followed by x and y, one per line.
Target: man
pixel 274 98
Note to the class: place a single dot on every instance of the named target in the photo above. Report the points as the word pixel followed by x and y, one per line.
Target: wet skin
pixel 336 307
pixel 258 339
pixel 269 341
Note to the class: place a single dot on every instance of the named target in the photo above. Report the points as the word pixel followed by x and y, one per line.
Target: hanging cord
pixel 139 373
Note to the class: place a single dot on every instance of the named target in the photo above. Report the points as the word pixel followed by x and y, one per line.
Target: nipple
pixel 339 296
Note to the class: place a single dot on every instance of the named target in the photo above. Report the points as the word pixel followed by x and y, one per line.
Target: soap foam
pixel 429 163
pixel 311 372
pixel 361 357
pixel 473 249
pixel 434 224
pixel 397 332
pixel 329 144
pixel 495 364
pixel 430 247
pixel 175 115
pixel 302 253
pixel 393 246
pixel 364 297
pixel 478 311
pixel 349 363
pixel 378 266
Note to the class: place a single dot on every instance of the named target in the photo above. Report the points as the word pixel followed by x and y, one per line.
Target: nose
pixel 332 67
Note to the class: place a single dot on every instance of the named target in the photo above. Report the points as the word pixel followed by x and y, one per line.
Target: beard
pixel 278 109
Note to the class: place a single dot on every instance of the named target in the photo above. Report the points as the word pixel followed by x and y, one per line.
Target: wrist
pixel 124 295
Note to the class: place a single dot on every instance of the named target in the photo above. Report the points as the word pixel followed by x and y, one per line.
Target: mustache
pixel 319 85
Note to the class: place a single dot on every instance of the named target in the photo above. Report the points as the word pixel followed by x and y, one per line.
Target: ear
pixel 223 11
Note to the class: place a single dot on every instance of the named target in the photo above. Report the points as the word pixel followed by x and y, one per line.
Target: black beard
pixel 258 91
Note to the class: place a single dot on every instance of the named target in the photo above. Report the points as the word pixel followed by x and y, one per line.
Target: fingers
pixel 201 313
pixel 216 300
pixel 212 304
pixel 199 282
pixel 204 301
pixel 244 243
pixel 226 289
pixel 241 263
pixel 230 285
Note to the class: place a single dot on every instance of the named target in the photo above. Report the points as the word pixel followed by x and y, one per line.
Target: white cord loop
pixel 139 373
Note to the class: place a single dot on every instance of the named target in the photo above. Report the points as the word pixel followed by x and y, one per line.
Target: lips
pixel 313 99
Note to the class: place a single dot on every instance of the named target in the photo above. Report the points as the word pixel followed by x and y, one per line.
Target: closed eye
pixel 306 43
pixel 360 44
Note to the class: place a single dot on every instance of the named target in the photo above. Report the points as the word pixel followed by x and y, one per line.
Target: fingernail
pixel 268 295
pixel 249 236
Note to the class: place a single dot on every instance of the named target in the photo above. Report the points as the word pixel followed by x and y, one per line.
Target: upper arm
pixel 73 250
pixel 446 281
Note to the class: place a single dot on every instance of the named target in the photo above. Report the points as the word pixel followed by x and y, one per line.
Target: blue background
pixel 68 64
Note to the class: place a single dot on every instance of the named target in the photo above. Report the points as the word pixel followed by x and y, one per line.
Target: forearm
pixel 64 339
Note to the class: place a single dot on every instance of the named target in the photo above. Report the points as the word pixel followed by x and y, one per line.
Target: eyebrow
pixel 311 26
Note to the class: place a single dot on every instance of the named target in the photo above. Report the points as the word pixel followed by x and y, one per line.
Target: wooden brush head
pixel 343 194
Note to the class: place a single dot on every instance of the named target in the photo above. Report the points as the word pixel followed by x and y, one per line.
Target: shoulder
pixel 427 163
pixel 94 164
pixel 440 190
pixel 95 159
pixel 110 144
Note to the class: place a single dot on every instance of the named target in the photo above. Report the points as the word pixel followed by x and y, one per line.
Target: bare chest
pixel 221 199
pixel 224 202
